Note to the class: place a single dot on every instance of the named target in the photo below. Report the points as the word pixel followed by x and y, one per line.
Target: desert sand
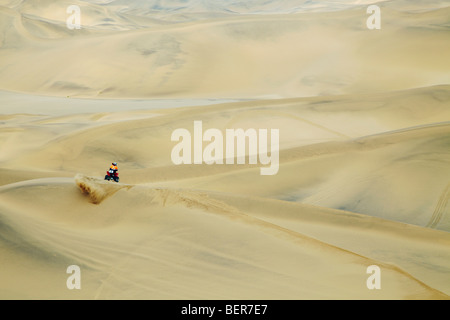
pixel 364 159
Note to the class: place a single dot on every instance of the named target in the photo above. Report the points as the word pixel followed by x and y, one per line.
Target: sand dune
pixel 147 257
pixel 328 53
pixel 364 134
pixel 347 198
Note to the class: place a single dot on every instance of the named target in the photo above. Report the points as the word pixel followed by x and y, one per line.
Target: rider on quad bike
pixel 113 172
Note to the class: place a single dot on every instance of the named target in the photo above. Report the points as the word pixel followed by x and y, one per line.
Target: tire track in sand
pixel 440 208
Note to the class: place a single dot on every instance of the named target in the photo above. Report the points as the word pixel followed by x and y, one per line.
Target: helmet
pixel 114 163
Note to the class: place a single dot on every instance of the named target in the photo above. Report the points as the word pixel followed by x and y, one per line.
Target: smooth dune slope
pixel 167 246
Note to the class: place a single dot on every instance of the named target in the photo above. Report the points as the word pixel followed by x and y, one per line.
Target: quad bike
pixel 112 175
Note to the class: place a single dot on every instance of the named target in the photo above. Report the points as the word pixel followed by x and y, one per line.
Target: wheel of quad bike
pixel 107 177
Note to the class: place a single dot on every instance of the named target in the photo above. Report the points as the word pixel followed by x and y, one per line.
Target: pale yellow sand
pixel 251 56
pixel 364 122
